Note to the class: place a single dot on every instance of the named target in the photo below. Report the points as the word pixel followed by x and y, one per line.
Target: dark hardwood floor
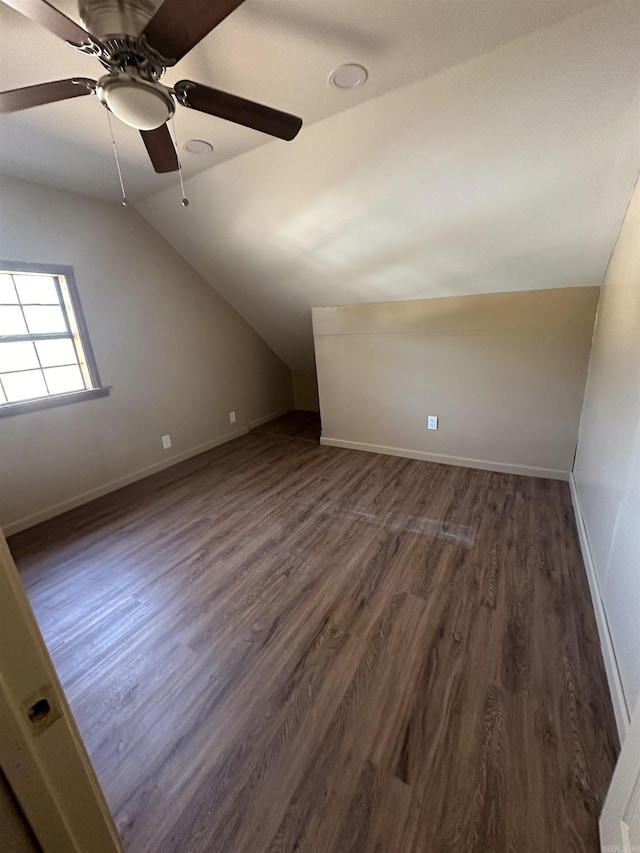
pixel 279 647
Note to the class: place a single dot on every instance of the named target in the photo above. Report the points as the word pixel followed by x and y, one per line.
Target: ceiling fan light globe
pixel 138 104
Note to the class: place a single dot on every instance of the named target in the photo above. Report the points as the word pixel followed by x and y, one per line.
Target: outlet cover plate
pixel 166 441
pixel 432 422
pixel 232 417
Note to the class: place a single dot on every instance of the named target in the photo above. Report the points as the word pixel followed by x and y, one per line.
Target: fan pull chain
pixel 185 200
pixel 125 201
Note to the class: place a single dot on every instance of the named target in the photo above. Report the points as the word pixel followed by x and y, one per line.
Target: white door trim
pixel 43 757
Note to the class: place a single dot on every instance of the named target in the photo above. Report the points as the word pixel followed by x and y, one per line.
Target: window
pixel 45 354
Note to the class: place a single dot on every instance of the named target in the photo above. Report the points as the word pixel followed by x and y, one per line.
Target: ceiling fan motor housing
pixel 104 17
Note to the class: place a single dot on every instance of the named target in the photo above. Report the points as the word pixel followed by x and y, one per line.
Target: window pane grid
pixel 41 368
pixel 30 316
pixel 21 307
pixel 36 336
pixel 46 384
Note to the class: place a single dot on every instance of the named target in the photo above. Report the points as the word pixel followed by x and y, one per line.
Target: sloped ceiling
pixel 510 171
pixel 493 148
pixel 277 52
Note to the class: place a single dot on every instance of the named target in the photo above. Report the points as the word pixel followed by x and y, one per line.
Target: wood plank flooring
pixel 279 647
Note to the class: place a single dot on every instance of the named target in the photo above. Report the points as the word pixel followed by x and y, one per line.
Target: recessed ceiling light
pixel 348 76
pixel 198 146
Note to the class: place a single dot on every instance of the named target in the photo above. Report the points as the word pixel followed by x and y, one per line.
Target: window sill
pixel 24 406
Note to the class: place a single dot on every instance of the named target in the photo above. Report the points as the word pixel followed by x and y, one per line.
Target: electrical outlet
pixel 432 422
pixel 166 441
pixel 232 417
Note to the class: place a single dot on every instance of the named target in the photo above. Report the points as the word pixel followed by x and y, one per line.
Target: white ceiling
pixel 277 52
pixel 510 171
pixel 493 148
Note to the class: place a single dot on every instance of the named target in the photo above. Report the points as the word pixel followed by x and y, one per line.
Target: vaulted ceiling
pixel 494 147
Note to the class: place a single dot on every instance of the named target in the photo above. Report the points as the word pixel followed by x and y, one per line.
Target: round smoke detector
pixel 198 146
pixel 348 76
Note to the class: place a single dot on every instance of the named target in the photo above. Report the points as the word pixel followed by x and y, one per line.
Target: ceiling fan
pixel 131 89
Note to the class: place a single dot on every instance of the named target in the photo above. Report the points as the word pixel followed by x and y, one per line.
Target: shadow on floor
pixel 301 425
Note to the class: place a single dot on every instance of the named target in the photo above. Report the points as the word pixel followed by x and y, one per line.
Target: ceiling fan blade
pixel 48 16
pixel 178 25
pixel 161 149
pixel 239 110
pixel 44 93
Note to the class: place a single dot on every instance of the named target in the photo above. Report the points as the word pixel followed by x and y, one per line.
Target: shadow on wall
pixel 305 390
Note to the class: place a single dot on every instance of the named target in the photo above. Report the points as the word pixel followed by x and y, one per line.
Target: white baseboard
pixel 259 421
pixel 483 464
pixel 85 497
pixel 608 654
pixel 105 488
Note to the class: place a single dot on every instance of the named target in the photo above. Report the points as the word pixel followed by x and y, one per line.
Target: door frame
pixel 41 752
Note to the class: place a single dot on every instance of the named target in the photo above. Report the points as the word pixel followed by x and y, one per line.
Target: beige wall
pixel 607 467
pixel 178 356
pixel 508 171
pixel 305 390
pixel 504 373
